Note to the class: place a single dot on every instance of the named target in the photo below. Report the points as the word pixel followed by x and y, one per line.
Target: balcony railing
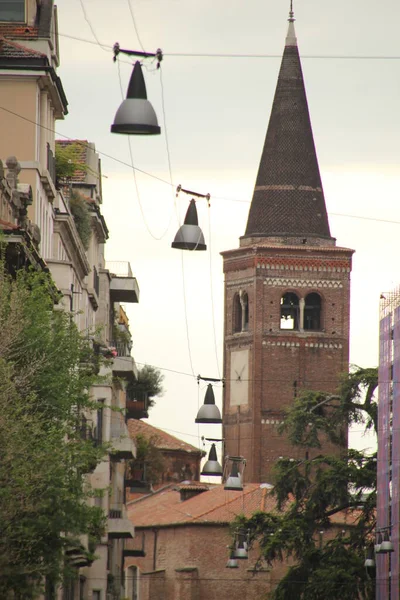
pixel 119 268
pixel 123 448
pixel 122 348
pixel 119 526
pixel 137 404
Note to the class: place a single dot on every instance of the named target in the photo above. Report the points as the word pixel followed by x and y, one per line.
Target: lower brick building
pixel 181 547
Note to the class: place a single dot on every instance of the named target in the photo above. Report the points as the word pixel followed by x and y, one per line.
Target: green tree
pixel 312 493
pixel 69 161
pixel 149 462
pixel 81 213
pixel 150 380
pixel 44 451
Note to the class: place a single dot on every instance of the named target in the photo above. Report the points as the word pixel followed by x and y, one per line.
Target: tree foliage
pixel 150 379
pixel 149 459
pixel 81 213
pixel 68 161
pixel 44 451
pixel 325 504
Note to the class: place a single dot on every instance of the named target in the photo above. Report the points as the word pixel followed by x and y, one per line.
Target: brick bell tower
pixel 287 287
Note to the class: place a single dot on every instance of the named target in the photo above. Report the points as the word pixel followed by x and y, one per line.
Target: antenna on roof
pixel 291 13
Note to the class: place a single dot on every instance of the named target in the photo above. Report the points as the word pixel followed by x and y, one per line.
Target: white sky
pixel 216 116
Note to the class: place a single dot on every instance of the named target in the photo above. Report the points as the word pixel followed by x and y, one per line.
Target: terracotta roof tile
pixel 13 30
pixel 164 440
pixel 213 506
pixel 165 507
pixel 11 49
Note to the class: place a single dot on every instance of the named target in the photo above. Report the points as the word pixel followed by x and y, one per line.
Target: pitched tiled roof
pixel 216 505
pixel 164 441
pixel 11 49
pixel 80 156
pixel 288 197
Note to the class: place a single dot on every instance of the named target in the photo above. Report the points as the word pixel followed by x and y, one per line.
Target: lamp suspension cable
pixel 149 230
pixel 212 294
pixel 134 24
pixel 104 47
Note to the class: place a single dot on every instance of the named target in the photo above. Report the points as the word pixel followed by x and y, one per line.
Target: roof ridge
pixel 225 503
pixel 151 494
pixel 21 47
pixel 158 431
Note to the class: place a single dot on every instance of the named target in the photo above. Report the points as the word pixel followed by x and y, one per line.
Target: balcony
pixel 137 404
pixel 48 175
pixel 136 481
pixel 95 290
pixel 77 554
pixel 123 364
pixel 118 525
pixel 123 448
pixel 134 547
pixel 123 286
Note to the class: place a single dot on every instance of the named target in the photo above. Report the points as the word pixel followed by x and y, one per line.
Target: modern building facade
pixel 388 472
pixel 287 287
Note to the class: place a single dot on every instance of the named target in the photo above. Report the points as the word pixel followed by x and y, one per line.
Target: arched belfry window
pixel 237 314
pixel 245 311
pixel 290 310
pixel 240 312
pixel 312 312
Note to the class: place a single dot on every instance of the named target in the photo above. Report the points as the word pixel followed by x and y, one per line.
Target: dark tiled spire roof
pixel 288 198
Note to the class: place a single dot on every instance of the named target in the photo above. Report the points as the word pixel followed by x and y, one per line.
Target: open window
pixel 245 312
pixel 237 314
pixel 290 311
pixel 312 312
pixel 12 11
pixel 240 312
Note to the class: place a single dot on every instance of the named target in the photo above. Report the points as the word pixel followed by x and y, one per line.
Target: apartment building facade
pixel 37 218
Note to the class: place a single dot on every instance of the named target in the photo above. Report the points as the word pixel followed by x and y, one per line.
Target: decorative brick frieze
pixel 302 283
pixel 244 282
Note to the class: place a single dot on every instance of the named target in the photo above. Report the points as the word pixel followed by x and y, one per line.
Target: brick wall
pixel 190 564
pixel 281 362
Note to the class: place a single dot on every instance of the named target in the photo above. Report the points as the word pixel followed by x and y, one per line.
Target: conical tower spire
pixel 288 202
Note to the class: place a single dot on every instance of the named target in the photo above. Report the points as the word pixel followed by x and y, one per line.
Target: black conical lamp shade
pixel 212 466
pixel 234 481
pixel 209 412
pixel 189 235
pixel 136 116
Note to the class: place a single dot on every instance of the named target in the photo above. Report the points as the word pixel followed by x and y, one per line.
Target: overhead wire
pixel 212 294
pixel 160 179
pixel 102 46
pixel 155 237
pixel 186 320
pixel 134 25
pixel 243 55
